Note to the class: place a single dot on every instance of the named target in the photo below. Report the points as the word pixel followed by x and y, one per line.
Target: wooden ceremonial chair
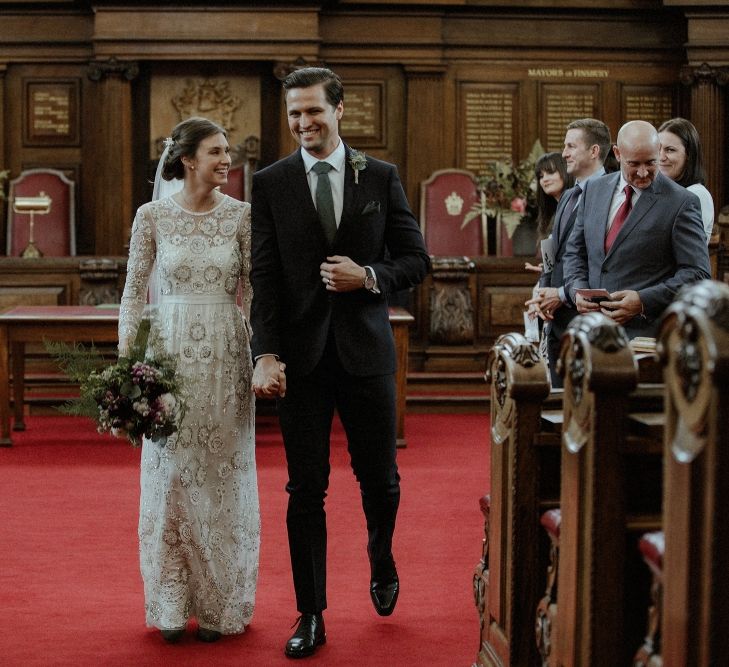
pixel 54 232
pixel 445 198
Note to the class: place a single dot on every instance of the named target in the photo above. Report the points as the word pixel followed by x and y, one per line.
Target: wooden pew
pixel 517 560
pixel 507 578
pixel 610 494
pixel 694 346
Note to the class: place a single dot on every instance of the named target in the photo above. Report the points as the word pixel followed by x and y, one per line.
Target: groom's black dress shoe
pixel 384 594
pixel 308 636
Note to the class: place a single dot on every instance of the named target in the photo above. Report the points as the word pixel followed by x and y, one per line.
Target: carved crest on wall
pixel 208 98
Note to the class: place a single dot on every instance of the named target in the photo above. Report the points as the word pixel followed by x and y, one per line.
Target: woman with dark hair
pixel 552 180
pixel 199 523
pixel 680 160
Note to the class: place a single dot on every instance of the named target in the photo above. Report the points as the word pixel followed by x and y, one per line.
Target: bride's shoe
pixel 206 635
pixel 172 636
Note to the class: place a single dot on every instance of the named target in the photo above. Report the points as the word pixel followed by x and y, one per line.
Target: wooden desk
pixel 35 324
pixel 400 321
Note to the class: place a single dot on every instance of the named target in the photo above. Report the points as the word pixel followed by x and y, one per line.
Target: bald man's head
pixel 638 148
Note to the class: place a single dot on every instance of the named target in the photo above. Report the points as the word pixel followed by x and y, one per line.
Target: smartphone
pixel 594 295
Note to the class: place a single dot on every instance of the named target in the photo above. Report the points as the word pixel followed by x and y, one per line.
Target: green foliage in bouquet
pixel 135 397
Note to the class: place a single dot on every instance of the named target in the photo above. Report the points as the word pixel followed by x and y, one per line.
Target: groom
pixel 333 236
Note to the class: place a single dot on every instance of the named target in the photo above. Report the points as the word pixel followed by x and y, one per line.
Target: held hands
pixel 341 274
pixel 269 379
pixel 544 303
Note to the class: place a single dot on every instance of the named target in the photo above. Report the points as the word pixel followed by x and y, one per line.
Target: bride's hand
pixel 269 379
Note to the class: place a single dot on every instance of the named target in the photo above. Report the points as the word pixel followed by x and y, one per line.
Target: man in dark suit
pixel 333 236
pixel 638 235
pixel 586 145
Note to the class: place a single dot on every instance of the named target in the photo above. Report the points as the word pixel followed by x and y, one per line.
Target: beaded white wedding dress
pixel 199 522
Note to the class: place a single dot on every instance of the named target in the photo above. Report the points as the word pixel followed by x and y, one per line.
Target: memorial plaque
pixel 51 113
pixel 487 118
pixel 654 104
pixel 362 123
pixel 561 104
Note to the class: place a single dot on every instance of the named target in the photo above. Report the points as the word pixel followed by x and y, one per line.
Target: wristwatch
pixel 369 281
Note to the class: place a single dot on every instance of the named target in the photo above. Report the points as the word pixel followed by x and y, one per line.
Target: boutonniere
pixel 358 162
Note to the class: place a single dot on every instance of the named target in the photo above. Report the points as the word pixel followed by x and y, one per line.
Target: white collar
pixel 335 158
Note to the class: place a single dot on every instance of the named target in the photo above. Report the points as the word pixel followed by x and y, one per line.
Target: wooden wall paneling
pixel 206 33
pixel 143 174
pixel 425 109
pixel 108 159
pixel 708 86
pixel 274 126
pixel 528 117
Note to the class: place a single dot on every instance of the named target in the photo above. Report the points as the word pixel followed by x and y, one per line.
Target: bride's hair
pixel 186 138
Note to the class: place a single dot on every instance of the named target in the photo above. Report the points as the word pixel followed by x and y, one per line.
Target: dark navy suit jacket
pixel 292 312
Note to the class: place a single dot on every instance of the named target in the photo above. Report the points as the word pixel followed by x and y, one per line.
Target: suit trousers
pixel 562 318
pixel 366 407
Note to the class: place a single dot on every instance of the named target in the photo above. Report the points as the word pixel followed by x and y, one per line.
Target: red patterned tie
pixel 619 218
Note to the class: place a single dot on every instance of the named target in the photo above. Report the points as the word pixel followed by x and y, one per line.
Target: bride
pixel 199 524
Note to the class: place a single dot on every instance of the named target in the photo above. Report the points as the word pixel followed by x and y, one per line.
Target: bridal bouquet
pixel 135 397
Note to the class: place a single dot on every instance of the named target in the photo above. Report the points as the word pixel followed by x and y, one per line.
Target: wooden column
pixel 708 111
pixel 108 162
pixel 425 126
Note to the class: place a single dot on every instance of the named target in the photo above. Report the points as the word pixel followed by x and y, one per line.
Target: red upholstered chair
pixel 445 198
pixel 54 232
pixel 244 161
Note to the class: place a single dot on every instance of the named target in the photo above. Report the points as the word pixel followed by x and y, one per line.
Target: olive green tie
pixel 324 200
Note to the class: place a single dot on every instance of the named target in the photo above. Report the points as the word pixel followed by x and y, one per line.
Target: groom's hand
pixel 269 379
pixel 341 274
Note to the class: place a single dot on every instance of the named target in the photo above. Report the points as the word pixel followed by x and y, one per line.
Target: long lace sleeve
pixel 244 242
pixel 142 250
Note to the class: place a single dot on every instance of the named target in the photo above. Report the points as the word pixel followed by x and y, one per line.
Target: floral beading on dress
pixel 199 523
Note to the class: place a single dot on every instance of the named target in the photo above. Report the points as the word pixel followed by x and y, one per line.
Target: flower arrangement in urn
pixel 507 191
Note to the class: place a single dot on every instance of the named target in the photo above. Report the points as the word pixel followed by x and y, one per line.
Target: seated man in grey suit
pixel 638 235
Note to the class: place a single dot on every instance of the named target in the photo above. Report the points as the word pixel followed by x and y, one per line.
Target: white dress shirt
pixel 336 176
pixel 619 198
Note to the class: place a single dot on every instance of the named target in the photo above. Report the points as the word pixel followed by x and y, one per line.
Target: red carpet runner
pixel 70 587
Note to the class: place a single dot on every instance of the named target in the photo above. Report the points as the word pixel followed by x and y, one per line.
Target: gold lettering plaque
pixel 487 118
pixel 362 123
pixel 51 113
pixel 567 73
pixel 654 104
pixel 561 104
